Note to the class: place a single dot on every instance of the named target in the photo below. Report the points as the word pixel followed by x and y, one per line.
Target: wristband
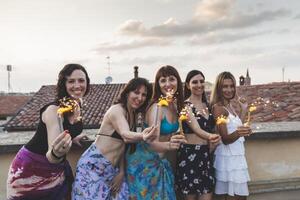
pixel 55 156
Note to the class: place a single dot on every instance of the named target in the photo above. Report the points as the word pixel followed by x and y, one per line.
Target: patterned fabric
pixel 194 174
pixel 149 176
pixel 31 176
pixel 94 174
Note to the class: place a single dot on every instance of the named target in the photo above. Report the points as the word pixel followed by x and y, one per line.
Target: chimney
pixel 136 72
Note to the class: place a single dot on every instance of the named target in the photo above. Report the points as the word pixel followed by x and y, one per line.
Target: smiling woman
pixel 40 169
pixel 230 164
pixel 100 170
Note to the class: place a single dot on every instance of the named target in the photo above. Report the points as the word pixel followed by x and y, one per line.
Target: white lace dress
pixel 231 165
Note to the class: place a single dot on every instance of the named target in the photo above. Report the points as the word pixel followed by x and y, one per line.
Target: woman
pixel 100 170
pixel 40 170
pixel 194 170
pixel 230 162
pixel 149 173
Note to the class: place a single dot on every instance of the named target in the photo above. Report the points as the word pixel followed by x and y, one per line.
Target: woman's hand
pixel 244 131
pixel 214 138
pixel 243 104
pixel 149 134
pixel 80 138
pixel 62 144
pixel 116 183
pixel 175 141
pixel 213 143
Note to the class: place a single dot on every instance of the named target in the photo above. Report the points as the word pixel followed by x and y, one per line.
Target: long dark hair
pixel 61 90
pixel 187 91
pixel 165 71
pixel 132 85
pixel 216 95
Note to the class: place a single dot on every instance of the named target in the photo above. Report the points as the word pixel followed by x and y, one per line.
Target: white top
pixel 237 147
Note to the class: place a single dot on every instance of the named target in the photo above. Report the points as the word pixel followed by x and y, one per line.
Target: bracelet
pixel 56 156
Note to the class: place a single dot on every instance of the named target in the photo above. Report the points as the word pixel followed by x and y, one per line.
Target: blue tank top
pixel 167 128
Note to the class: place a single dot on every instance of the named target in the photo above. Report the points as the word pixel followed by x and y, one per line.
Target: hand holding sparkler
pixel 67 105
pixel 183 116
pixel 251 109
pixel 222 120
pixel 163 101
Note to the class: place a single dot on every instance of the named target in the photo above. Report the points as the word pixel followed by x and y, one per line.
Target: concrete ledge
pixel 11 142
pixel 274 185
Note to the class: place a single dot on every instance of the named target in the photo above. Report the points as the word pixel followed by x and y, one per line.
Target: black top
pixel 115 134
pixel 207 125
pixel 39 142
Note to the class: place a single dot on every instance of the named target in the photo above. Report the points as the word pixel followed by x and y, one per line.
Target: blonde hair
pixel 216 95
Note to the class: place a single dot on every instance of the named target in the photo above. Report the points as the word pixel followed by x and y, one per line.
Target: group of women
pixel 139 152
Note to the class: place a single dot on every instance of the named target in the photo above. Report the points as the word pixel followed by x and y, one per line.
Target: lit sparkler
pixel 66 105
pixel 222 120
pixel 183 116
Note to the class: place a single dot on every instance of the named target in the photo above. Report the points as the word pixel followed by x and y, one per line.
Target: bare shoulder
pixel 50 113
pixel 152 107
pixel 115 111
pixel 218 109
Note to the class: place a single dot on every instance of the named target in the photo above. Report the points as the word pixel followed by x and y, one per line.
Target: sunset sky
pixel 38 37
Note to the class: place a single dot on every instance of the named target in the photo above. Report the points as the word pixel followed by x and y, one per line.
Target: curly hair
pixel 61 90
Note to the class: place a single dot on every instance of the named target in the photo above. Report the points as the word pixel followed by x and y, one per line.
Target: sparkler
pixel 66 105
pixel 163 101
pixel 222 120
pixel 183 116
pixel 251 109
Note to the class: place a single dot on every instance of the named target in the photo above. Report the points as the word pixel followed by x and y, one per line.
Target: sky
pixel 38 37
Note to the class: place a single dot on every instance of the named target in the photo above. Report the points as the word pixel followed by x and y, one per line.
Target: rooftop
pixel 99 99
pixel 281 102
pixel 10 104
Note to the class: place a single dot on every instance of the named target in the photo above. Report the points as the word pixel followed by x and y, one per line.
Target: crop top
pixel 205 124
pixel 39 142
pixel 167 128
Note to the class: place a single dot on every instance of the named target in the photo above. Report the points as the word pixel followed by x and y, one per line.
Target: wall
pixel 6 159
pixel 272 153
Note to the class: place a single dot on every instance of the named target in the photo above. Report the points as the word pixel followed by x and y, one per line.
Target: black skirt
pixel 194 170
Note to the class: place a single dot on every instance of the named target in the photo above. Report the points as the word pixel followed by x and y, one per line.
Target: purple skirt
pixel 32 176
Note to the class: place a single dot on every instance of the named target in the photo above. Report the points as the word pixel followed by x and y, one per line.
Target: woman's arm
pixel 117 181
pixel 222 128
pixel 116 116
pixel 194 125
pixel 58 143
pixel 154 117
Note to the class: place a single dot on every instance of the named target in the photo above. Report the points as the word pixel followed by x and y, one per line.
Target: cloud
pixel 218 38
pixel 132 27
pixel 133 44
pixel 213 9
pixel 210 15
pixel 297 16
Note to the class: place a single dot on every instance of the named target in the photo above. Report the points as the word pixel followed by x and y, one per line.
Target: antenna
pixel 9 69
pixel 108 79
pixel 283 74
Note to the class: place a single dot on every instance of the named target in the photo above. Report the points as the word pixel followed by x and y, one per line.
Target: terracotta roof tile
pixel 96 103
pixel 10 104
pixel 285 95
